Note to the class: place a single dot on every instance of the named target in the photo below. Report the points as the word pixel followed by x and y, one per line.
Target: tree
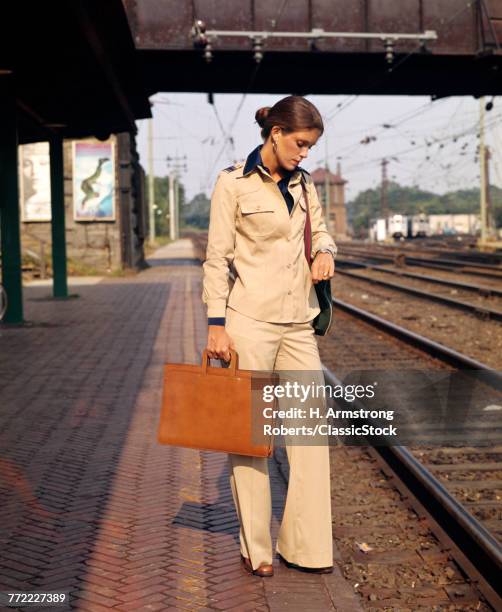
pixel 412 200
pixel 196 212
pixel 161 195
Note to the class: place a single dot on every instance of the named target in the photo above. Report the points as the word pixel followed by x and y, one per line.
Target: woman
pixel 256 236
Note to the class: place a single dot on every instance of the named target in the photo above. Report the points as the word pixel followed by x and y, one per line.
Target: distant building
pixel 336 220
pixel 454 224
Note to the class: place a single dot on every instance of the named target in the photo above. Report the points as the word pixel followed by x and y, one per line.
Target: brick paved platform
pixel 90 502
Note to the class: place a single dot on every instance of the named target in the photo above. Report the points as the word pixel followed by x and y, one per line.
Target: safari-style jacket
pixel 255 259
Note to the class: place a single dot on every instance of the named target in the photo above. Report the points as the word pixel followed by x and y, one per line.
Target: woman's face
pixel 293 147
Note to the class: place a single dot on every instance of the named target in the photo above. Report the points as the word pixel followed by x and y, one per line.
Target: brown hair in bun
pixel 261 115
pixel 291 114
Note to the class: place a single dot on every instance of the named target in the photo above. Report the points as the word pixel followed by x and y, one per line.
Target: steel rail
pixel 452 302
pixel 482 289
pixel 419 247
pixel 444 264
pixel 431 347
pixel 340 261
pixel 470 543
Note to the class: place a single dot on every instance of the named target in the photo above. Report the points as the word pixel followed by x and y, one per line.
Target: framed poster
pixel 93 181
pixel 35 182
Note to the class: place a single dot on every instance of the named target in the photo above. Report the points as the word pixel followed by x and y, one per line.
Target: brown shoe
pixel 265 570
pixel 311 570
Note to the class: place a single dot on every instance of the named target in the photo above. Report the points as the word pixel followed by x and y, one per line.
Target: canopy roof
pixel 74 68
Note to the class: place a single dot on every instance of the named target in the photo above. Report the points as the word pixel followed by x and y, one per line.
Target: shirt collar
pixel 254 160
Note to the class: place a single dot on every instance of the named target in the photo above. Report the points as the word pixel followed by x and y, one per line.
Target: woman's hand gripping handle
pixel 219 343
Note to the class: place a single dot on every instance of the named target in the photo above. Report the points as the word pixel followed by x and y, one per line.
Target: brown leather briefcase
pixel 211 408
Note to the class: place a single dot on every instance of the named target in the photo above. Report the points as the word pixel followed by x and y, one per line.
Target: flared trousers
pixel 305 535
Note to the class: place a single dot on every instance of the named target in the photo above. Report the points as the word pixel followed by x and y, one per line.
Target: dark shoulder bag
pixel 322 322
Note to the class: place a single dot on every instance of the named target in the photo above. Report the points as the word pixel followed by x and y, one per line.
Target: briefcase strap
pixel 307 231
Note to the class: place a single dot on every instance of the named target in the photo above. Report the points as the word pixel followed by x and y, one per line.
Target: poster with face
pixel 35 182
pixel 94 181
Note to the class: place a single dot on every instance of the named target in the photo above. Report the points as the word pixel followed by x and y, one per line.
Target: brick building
pixel 337 222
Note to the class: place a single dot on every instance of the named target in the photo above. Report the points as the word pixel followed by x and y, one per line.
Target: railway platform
pixel 92 505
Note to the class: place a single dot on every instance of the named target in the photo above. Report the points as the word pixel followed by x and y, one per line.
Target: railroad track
pixel 481 309
pixel 459 490
pixel 426 247
pixel 473 334
pixel 372 255
pixel 483 290
pixel 463 514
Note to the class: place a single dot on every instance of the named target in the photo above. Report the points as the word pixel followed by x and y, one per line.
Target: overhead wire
pixel 425 160
pixel 249 85
pixel 341 106
pixel 450 173
pixel 401 61
pixel 405 118
pixel 470 130
pixel 473 129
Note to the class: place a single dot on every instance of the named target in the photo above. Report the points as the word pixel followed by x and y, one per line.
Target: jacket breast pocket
pixel 257 217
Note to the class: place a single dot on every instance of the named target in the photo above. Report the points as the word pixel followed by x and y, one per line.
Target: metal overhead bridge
pixel 410 47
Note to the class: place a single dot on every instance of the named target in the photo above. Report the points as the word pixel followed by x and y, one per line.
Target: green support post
pixel 9 206
pixel 60 283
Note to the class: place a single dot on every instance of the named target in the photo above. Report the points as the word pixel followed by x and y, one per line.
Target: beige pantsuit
pixel 305 536
pixel 257 279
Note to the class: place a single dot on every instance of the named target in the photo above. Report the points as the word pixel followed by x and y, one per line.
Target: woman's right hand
pixel 219 343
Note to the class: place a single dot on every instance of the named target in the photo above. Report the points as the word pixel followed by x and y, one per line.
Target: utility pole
pixel 384 206
pixel 177 200
pixel 489 210
pixel 177 163
pixel 172 229
pixel 151 189
pixel 482 171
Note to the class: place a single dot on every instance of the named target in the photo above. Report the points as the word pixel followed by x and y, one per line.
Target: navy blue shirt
pixel 253 160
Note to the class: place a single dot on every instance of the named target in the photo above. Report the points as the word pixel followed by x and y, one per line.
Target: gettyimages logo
pixel 296 390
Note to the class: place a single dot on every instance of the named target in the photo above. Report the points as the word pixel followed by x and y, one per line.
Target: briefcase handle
pixel 234 358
